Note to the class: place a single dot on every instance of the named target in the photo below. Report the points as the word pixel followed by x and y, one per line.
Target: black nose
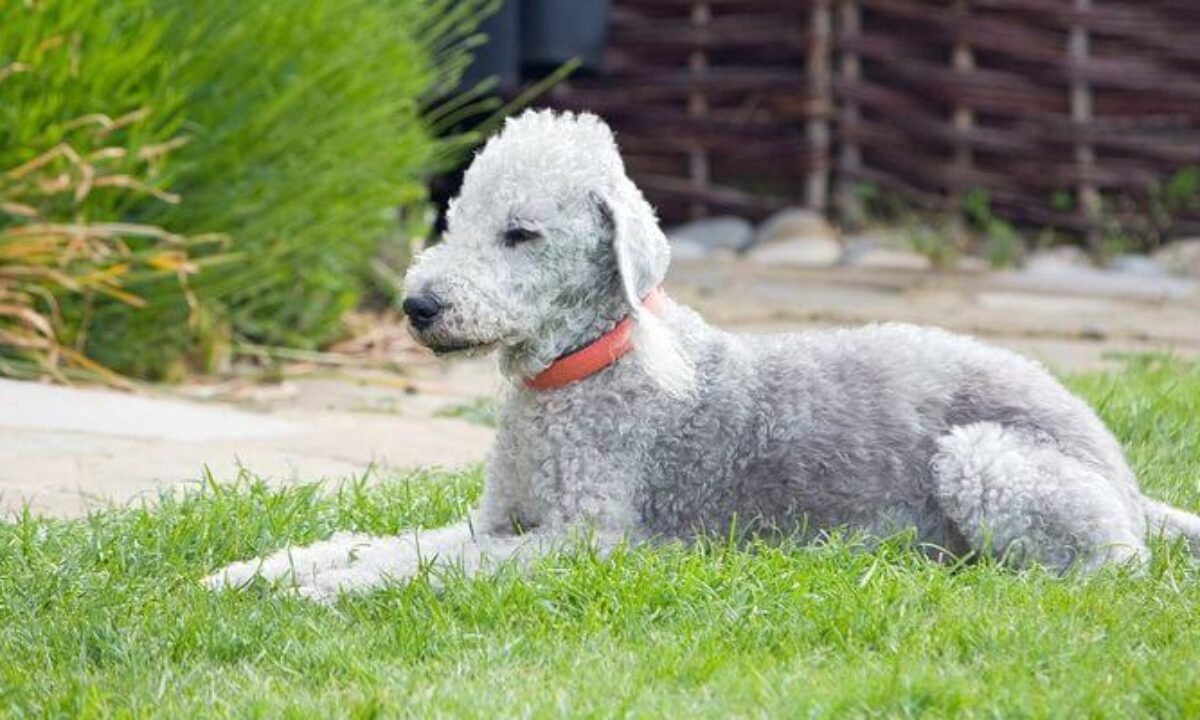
pixel 422 309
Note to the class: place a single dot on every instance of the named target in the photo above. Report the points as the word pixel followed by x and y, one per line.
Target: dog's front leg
pixel 352 562
pixel 455 548
pixel 452 549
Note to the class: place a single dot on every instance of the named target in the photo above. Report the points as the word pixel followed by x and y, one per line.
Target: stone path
pixel 65 450
pixel 1069 326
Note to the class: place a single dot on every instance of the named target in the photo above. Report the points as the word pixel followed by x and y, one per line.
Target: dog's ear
pixel 657 348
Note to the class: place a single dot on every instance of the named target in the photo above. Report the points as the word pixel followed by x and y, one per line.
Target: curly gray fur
pixel 877 429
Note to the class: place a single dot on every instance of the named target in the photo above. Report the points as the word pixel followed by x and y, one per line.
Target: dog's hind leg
pixel 1013 492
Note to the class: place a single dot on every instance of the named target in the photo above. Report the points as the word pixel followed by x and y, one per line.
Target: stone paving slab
pixel 35 407
pixel 66 450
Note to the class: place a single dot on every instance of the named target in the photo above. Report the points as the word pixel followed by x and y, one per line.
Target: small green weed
pixel 1003 244
pixel 481 411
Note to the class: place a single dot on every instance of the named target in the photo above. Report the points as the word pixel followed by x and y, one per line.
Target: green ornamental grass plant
pixel 74 156
pixel 104 616
pixel 293 131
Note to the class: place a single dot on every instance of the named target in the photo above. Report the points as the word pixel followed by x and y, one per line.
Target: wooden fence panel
pixel 1067 112
pixel 721 106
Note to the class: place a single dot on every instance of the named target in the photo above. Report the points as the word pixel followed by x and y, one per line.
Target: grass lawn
pixel 104 616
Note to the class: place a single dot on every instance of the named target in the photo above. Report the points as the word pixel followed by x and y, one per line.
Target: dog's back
pixel 811 431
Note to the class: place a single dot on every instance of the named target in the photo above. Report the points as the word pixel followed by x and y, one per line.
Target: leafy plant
pixel 295 129
pixel 939 242
pixel 1004 246
pixel 1139 221
pixel 1062 201
pixel 480 411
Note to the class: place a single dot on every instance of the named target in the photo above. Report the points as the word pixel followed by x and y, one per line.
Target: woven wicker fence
pixel 1070 114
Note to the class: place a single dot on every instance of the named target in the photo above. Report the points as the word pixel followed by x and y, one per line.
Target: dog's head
pixel 548 245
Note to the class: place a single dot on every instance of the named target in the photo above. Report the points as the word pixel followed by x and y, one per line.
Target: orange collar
pixel 596 356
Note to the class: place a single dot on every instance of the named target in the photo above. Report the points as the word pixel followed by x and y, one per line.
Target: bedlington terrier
pixel 629 419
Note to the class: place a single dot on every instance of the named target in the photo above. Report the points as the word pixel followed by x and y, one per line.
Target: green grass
pixel 104 616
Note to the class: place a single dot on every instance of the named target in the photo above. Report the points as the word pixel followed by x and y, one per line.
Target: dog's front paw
pixel 233 576
pixel 292 565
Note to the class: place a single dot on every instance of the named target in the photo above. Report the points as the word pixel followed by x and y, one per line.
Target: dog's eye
pixel 516 235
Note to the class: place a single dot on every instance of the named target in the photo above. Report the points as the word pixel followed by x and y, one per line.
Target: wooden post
pixel 698 166
pixel 820 86
pixel 964 117
pixel 850 154
pixel 1079 47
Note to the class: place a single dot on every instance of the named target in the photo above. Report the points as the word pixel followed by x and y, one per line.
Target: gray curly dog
pixel 553 258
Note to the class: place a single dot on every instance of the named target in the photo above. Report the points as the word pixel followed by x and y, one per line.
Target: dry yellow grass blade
pixel 29 317
pixel 99 119
pixel 125 120
pixel 43 275
pixel 62 150
pixel 173 261
pixel 130 183
pixel 106 231
pixel 18 209
pixel 12 69
pixel 24 341
pixel 84 362
pixel 36 249
pixel 49 44
pixel 107 153
pixel 150 153
pixel 54 185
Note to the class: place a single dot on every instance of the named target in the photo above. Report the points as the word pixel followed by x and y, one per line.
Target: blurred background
pixel 214 201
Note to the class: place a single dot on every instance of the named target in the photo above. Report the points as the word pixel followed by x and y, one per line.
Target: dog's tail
pixel 1173 522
